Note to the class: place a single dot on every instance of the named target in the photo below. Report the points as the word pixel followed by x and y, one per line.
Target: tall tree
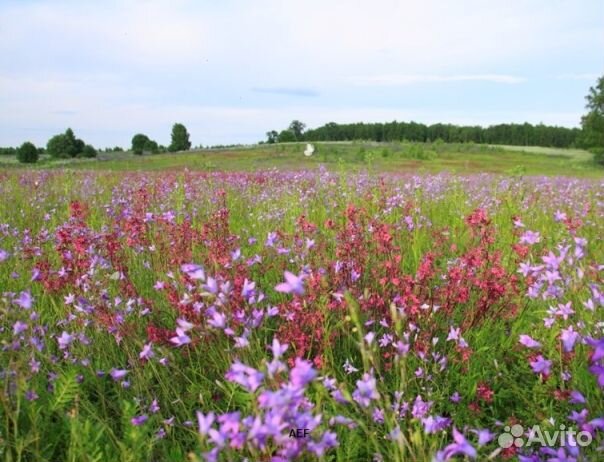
pixel 593 122
pixel 180 138
pixel 297 128
pixel 271 137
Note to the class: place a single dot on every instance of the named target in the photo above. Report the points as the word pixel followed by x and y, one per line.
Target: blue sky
pixel 231 70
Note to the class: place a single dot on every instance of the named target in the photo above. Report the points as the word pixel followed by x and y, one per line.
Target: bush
pixel 88 151
pixel 65 145
pixel 27 153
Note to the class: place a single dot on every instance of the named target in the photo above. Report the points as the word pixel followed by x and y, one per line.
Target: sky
pixel 232 70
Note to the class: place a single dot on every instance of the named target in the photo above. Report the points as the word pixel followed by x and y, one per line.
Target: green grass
pixel 387 157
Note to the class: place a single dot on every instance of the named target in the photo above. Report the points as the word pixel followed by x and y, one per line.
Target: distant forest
pixel 512 134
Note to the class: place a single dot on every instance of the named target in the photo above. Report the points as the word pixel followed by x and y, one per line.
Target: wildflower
pixel 529 342
pixel 420 407
pixel 293 284
pixel 349 368
pixel 118 374
pixel 366 391
pixel 576 397
pixel 3 255
pixel 65 340
pixel 147 352
pixel 193 271
pixel 598 346
pixel 139 420
pixel 455 397
pixel 530 237
pixel 24 300
pixel 302 373
pixel 459 447
pixel 568 337
pixel 19 327
pixel 204 422
pixel 154 407
pixel 181 338
pixel 598 371
pixel 245 376
pixel 540 365
pixel 435 424
pixel 277 348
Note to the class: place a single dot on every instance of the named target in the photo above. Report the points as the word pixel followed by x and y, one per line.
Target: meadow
pixel 370 303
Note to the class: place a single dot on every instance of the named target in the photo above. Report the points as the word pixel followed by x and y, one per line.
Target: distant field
pixel 392 157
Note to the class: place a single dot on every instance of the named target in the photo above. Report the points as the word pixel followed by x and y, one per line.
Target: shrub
pixel 88 151
pixel 27 153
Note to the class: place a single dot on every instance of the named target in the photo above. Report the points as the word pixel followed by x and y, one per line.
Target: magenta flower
pixel 293 284
pixel 529 342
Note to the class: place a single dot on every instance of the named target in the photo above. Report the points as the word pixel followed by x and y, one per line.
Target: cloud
pixel 401 79
pixel 306 92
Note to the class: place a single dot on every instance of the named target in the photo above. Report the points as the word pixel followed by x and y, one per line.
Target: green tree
pixel 180 138
pixel 297 128
pixel 151 146
pixel 271 137
pixel 65 145
pixel 138 143
pixel 592 137
pixel 27 153
pixel 286 136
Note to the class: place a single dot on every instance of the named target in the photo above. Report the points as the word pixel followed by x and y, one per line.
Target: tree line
pixel 590 136
pixel 67 145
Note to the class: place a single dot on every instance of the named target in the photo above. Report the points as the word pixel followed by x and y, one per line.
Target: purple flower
pixel 302 373
pixel 598 371
pixel 118 374
pixel 540 365
pixel 277 348
pixel 65 340
pixel 435 424
pixel 147 352
pixel 246 376
pixel 366 391
pixel 24 300
pixel 293 284
pixel 3 255
pixel 530 238
pixel 420 407
pixel 484 436
pixel 576 397
pixel 204 422
pixel 568 337
pixel 459 447
pixel 598 346
pixel 19 327
pixel 154 407
pixel 139 420
pixel 181 338
pixel 193 271
pixel 455 398
pixel 529 342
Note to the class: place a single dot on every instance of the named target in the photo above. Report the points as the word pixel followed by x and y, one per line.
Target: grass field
pixel 390 157
pixel 347 307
